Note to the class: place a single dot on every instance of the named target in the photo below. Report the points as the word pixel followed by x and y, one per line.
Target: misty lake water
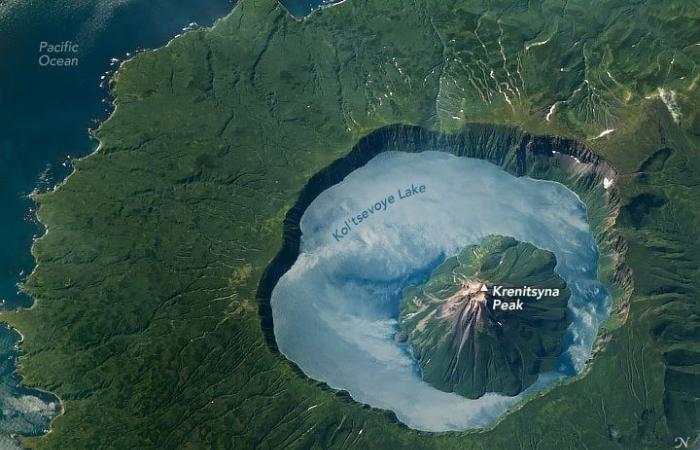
pixel 335 311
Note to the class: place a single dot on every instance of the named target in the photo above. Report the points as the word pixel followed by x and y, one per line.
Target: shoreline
pixel 34 197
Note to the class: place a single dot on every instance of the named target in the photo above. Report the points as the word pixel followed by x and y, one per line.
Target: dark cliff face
pixel 470 338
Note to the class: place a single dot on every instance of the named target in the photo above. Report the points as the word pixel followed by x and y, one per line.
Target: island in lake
pixel 469 336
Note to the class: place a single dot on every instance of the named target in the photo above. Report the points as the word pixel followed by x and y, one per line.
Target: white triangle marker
pixel 484 288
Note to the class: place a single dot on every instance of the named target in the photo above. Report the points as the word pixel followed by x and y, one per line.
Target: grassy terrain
pixel 146 320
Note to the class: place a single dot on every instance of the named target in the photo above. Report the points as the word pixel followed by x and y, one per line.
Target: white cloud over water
pixel 335 311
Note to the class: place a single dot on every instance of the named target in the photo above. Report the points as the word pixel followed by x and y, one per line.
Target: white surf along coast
pixel 335 311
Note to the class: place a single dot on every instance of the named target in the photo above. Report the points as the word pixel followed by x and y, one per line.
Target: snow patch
pixel 604 133
pixel 669 99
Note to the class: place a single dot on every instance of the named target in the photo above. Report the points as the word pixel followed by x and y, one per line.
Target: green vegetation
pixel 464 343
pixel 146 320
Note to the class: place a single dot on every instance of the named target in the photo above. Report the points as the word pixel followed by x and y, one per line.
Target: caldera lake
pixel 335 311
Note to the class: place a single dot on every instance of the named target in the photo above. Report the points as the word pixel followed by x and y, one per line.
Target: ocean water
pixel 335 311
pixel 45 114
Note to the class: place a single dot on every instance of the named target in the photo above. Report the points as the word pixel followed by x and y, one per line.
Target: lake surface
pixel 45 114
pixel 335 311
